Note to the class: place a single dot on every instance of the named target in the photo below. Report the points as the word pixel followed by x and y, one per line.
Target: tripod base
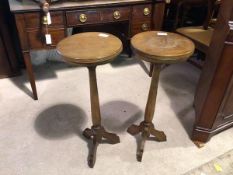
pixel 98 135
pixel 146 129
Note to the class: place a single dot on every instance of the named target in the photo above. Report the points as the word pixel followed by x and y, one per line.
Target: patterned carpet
pixel 221 165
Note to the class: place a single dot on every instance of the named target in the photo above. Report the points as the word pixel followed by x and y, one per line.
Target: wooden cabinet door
pixel 226 109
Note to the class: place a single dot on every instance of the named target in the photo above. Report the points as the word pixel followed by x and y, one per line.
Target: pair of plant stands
pixel 97 48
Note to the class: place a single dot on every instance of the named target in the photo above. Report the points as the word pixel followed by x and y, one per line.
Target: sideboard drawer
pixel 81 17
pixel 142 11
pixel 34 20
pixel 141 27
pixel 36 38
pixel 115 14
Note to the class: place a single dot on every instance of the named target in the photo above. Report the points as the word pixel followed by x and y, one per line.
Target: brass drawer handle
pixel 146 11
pixel 145 27
pixel 116 15
pixel 82 18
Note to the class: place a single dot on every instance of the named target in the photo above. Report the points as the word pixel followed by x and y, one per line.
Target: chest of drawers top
pixel 19 6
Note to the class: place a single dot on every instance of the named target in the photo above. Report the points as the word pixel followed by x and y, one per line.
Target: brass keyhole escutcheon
pixel 82 18
pixel 116 15
pixel 146 11
pixel 145 27
pixel 45 20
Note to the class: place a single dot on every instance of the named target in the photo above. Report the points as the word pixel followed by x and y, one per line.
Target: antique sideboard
pixel 140 15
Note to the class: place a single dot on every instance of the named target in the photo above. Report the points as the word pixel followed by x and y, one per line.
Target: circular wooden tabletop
pixel 90 48
pixel 162 47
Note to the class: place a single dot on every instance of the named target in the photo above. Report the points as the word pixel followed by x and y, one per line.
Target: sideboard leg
pixel 27 60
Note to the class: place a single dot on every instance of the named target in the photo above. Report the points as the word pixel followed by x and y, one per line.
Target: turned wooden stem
pixel 151 69
pixel 150 106
pixel 95 107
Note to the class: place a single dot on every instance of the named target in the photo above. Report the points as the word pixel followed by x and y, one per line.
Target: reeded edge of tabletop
pixel 95 62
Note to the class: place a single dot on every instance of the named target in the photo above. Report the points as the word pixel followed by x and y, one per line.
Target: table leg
pixel 146 128
pixel 27 60
pixel 97 133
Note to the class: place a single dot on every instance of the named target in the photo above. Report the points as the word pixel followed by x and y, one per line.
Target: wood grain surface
pixel 162 47
pixel 90 48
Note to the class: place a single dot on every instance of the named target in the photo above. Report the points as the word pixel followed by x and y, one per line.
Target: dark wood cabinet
pixel 214 96
pixel 8 62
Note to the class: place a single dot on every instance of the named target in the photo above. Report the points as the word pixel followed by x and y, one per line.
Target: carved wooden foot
pixel 146 129
pixel 98 135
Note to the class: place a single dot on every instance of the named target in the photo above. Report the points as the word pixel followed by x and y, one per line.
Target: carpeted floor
pixel 221 165
pixel 44 137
